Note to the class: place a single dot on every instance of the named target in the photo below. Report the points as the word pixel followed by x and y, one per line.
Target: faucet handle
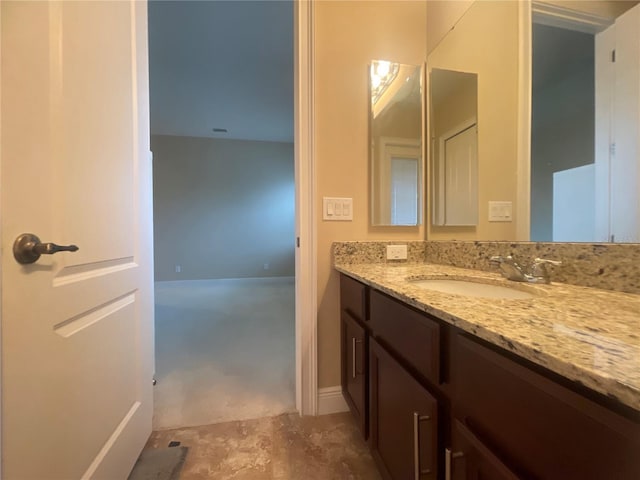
pixel 544 261
pixel 539 269
pixel 498 259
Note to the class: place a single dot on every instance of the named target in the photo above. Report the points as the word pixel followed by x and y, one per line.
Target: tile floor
pixel 284 447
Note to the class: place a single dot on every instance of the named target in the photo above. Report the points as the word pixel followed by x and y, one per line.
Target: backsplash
pixel 601 265
pixel 349 253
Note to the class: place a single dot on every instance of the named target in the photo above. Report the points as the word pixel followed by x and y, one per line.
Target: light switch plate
pixel 396 252
pixel 500 211
pixel 334 208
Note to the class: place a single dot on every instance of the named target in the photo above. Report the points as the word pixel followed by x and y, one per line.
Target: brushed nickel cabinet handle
pixel 354 341
pixel 417 418
pixel 449 456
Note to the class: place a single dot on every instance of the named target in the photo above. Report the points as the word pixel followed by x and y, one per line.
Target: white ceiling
pixel 222 64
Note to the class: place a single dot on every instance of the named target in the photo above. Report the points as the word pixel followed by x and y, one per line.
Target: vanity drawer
pixel 412 335
pixel 353 298
pixel 540 428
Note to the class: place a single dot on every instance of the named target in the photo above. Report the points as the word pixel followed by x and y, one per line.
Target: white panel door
pixel 461 178
pixel 605 44
pixel 625 162
pixel 77 328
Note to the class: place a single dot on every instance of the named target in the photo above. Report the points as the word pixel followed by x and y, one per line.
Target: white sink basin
pixel 475 288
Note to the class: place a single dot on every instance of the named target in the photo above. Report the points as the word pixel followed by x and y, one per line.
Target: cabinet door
pixel 354 369
pixel 470 459
pixel 403 420
pixel 354 298
pixel 537 426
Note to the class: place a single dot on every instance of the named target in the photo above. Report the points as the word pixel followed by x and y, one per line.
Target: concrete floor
pixel 225 350
pixel 285 447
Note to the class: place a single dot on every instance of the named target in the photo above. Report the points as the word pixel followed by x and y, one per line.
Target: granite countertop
pixel 587 335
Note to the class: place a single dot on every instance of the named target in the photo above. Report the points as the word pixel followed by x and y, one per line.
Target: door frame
pixel 1 290
pixel 306 251
pixel 306 241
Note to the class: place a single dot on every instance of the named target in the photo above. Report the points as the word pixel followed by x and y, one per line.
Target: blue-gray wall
pixel 222 208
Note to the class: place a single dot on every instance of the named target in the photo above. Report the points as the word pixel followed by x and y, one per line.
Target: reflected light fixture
pixel 382 75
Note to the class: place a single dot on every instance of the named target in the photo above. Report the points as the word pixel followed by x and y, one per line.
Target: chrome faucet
pixel 539 270
pixel 512 270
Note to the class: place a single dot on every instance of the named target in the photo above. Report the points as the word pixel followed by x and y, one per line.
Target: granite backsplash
pixel 599 265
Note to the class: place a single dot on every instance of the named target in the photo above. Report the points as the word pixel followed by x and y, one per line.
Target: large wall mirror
pixel 396 164
pixel 564 76
pixel 453 130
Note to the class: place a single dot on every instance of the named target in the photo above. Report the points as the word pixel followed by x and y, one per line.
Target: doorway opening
pixel 221 84
pixel 584 124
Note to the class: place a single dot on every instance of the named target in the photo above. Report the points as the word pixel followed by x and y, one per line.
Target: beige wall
pixel 348 35
pixel 442 15
pixel 222 208
pixel 485 41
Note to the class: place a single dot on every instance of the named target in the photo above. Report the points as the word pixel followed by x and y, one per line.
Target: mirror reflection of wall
pixel 583 181
pixel 584 139
pixel 396 143
pixel 562 134
pixel 485 42
pixel 454 147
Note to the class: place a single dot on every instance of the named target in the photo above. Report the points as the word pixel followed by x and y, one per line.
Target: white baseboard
pixel 330 400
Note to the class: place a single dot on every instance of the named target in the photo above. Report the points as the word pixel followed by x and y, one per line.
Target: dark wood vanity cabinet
pixel 403 420
pixel 470 459
pixel 354 369
pixel 355 349
pixel 529 424
pixel 440 403
pixel 410 335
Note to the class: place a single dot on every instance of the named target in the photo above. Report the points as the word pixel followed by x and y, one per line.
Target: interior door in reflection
pixel 461 178
pixel 404 190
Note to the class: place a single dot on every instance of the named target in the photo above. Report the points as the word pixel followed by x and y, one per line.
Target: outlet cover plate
pixel 396 252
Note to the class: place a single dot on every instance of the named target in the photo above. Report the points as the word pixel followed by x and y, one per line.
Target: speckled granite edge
pixel 560 329
pixel 599 265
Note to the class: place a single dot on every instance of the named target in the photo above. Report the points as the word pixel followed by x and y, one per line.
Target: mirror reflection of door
pixel 585 162
pixel 398 181
pixel 454 147
pixel 395 116
pixel 404 190
pixel 461 177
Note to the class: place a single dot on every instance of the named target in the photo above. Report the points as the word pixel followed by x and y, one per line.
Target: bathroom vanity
pixel 455 387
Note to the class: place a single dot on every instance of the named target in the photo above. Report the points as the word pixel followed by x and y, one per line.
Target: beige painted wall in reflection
pixel 485 41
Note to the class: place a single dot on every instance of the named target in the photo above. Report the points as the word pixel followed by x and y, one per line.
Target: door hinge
pixel 612 148
pixel 613 56
pixel 298 242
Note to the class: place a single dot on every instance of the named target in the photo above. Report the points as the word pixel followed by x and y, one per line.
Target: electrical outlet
pixel 396 252
pixel 178 268
pixel 265 266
